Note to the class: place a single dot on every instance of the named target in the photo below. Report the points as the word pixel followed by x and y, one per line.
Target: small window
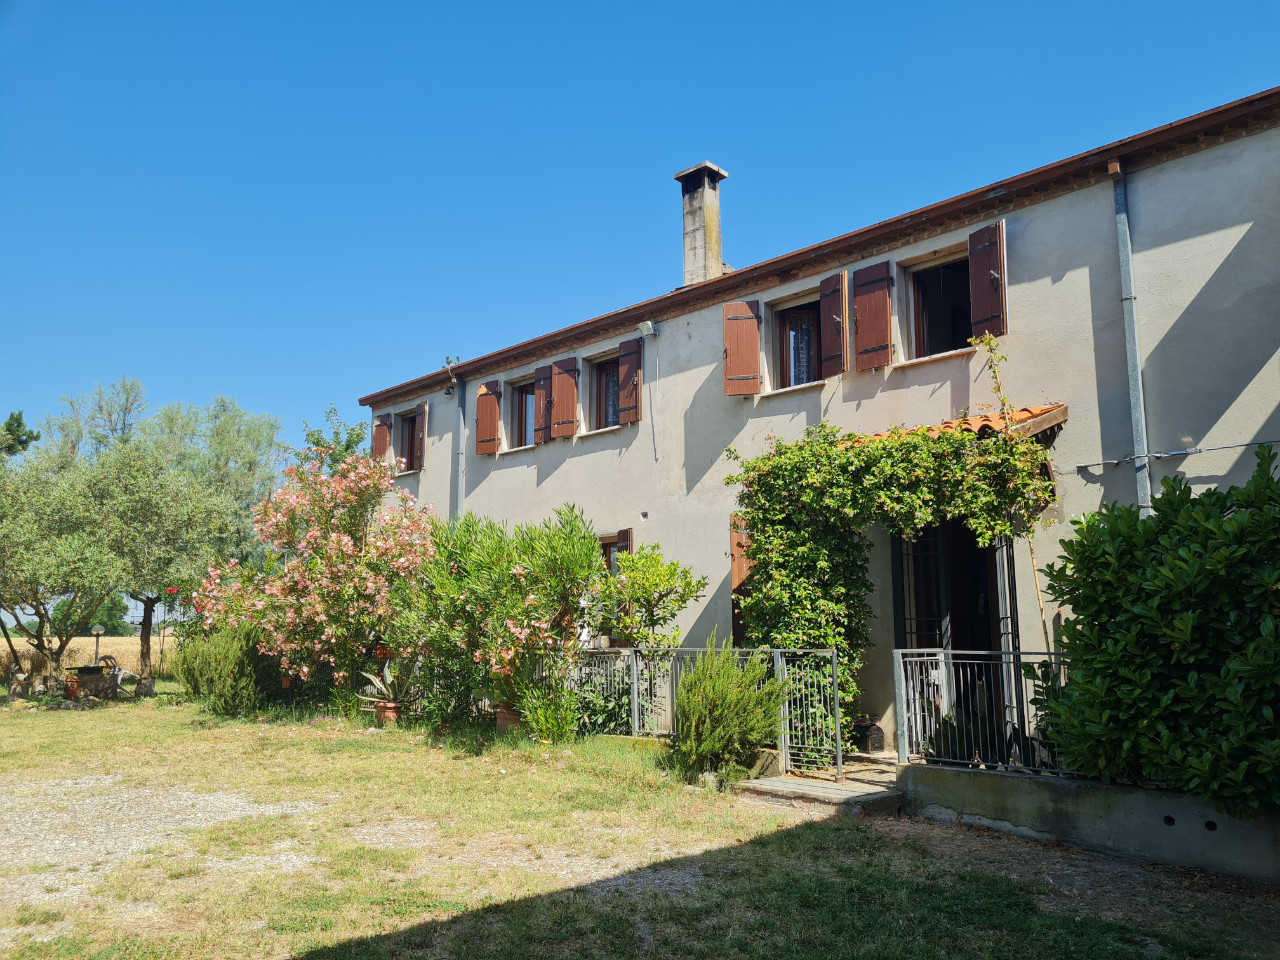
pixel 523 414
pixel 799 345
pixel 410 446
pixel 606 394
pixel 943 316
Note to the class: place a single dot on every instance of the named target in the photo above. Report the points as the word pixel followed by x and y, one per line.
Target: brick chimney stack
pixel 699 188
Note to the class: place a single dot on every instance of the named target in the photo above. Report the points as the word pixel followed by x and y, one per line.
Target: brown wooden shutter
pixel 487 416
pixel 564 397
pixel 833 335
pixel 381 436
pixel 542 404
pixel 739 541
pixel 872 316
pixel 986 280
pixel 420 454
pixel 741 348
pixel 629 382
pixel 624 540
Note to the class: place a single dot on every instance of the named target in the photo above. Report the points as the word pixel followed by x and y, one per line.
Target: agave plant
pixel 387 686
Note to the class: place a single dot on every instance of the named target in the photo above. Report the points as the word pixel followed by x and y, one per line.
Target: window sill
pixel 596 433
pixel 798 388
pixel 963 351
pixel 527 446
pixel 408 473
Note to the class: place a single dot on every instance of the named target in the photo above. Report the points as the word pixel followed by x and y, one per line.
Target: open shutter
pixel 741 348
pixel 564 397
pixel 542 404
pixel 381 442
pixel 420 450
pixel 872 316
pixel 739 540
pixel 833 337
pixel 624 540
pixel 487 402
pixel 986 280
pixel 629 363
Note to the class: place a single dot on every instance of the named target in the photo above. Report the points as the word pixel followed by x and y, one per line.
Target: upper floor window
pixel 941 307
pixel 799 345
pixel 606 394
pixel 412 439
pixel 523 414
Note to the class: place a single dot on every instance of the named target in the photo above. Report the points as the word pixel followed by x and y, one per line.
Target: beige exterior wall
pixel 1206 237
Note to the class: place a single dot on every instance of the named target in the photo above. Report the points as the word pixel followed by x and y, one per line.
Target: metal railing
pixel 633 691
pixel 973 709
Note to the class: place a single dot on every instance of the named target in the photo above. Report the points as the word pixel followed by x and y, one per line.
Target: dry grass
pixel 126 650
pixel 152 830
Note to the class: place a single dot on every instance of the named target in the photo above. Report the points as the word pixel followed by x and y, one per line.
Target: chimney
pixel 701 194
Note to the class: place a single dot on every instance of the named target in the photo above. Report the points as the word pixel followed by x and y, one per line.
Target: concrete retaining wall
pixel 1129 821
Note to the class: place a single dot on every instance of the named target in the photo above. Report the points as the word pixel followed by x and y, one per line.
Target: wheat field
pixel 126 650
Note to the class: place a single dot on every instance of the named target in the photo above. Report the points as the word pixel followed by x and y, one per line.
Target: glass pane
pixel 526 400
pixel 802 352
pixel 611 395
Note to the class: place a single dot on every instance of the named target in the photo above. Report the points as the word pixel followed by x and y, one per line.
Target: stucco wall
pixel 1206 229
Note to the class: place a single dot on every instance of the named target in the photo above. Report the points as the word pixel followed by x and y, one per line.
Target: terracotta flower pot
pixel 508 717
pixel 387 713
pixel 286 682
pixel 72 688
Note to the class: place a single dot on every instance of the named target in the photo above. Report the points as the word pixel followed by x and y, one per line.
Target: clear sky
pixel 302 202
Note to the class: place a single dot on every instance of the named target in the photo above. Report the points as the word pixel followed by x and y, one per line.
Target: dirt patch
pixel 92 822
pixel 1077 882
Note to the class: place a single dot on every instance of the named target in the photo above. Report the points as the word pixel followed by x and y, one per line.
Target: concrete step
pixel 850 798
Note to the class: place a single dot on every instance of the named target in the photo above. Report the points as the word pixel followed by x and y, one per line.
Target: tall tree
pixel 55 530
pixel 15 435
pixel 169 526
pixel 89 423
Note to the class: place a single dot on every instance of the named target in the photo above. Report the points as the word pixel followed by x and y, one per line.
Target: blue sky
pixel 301 202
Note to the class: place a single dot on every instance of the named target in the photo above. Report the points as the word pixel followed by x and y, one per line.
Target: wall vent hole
pixel 1168 820
pixel 1210 825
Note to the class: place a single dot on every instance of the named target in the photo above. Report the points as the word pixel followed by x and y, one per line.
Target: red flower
pixel 171 590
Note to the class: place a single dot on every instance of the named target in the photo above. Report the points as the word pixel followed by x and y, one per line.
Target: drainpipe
pixel 459 450
pixel 1137 405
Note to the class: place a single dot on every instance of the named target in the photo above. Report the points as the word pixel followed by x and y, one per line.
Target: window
pixel 523 415
pixel 606 394
pixel 960 297
pixel 611 546
pixel 412 440
pixel 942 312
pixel 798 345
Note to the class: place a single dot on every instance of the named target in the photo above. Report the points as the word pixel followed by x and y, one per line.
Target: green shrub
pixel 549 709
pixel 727 708
pixel 1172 643
pixel 225 669
pixel 604 708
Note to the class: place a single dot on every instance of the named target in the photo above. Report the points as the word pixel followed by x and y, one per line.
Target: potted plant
pixel 388 690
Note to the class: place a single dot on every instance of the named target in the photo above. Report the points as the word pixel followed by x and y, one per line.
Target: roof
pixel 1193 133
pixel 1027 422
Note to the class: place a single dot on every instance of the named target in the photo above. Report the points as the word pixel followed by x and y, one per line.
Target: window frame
pixel 519 392
pixel 407 447
pixel 599 395
pixel 914 297
pixel 782 321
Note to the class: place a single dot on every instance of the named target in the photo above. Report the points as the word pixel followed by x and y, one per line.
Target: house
pixel 1135 289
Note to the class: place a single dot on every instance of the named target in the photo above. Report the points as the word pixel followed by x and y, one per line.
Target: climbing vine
pixel 808 502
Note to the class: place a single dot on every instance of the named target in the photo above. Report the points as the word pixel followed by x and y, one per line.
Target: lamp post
pixel 97 632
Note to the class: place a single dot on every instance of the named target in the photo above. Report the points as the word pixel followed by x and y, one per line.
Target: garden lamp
pixel 97 632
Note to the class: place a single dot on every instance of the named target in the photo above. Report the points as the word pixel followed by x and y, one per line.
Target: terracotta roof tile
pixel 1026 421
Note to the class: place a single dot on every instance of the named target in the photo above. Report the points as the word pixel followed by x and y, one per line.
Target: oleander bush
pixel 1172 643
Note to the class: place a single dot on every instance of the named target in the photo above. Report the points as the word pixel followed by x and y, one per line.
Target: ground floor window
pixel 949 593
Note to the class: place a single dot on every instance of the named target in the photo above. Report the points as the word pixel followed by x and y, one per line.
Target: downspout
pixel 459 450
pixel 1133 355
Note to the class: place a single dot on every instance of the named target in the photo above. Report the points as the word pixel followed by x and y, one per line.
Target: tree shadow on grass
pixel 823 889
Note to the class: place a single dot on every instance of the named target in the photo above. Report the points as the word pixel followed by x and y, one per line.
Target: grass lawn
pixel 154 830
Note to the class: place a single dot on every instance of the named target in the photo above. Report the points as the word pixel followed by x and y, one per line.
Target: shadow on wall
pixel 717 611
pixel 820 889
pixel 1227 335
pixel 711 421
